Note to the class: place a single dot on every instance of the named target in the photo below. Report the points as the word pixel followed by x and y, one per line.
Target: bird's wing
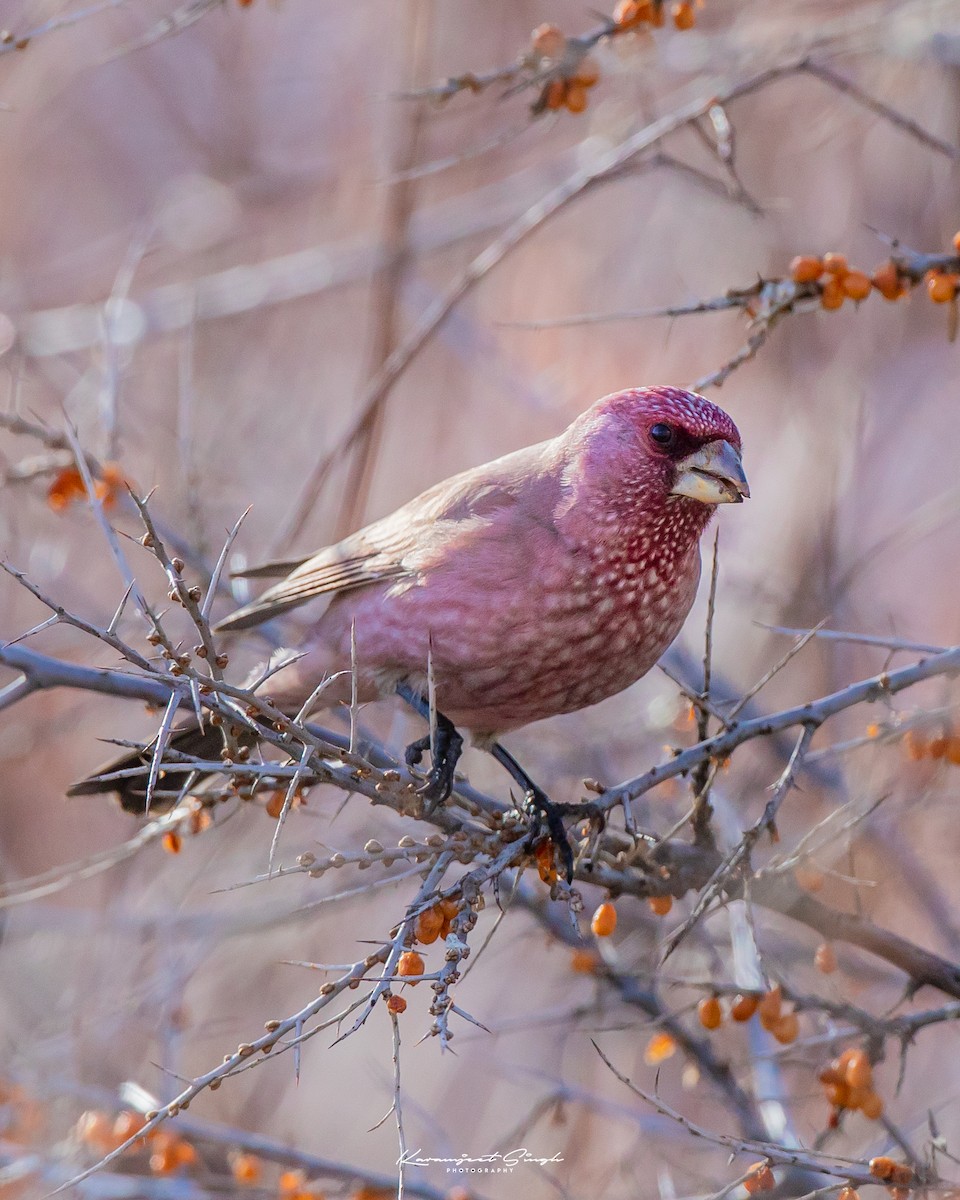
pixel 394 546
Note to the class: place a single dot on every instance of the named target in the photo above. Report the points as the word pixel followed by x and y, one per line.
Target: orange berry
pixel 246 1168
pixel 396 1004
pixel 66 487
pixel 902 1174
pixel 786 1029
pixel 127 1124
pixel 835 264
pixel 848 1193
pixel 172 842
pixel 604 920
pixel 872 730
pixel 915 745
pixel 953 749
pixel 941 288
pixel 857 285
pixel 886 279
pixel 660 905
pixel 588 73
pixel 770 1006
pixel 710 1012
pixel 825 958
pixel 446 927
pixel 657 16
pixel 185 1153
pixel 872 1107
pixel 838 1094
pixel 660 1047
pixel 831 1074
pixel 411 963
pixel 882 1168
pixel 937 747
pixel 808 876
pixel 548 40
pixel 274 806
pixel 805 269
pixel 544 858
pixel 428 925
pixel 630 13
pixel 163 1156
pixel 584 962
pixel 744 1007
pixel 555 94
pixel 450 907
pixel 760 1179
pixel 95 1129
pixel 683 15
pixel 576 100
pixel 291 1181
pixel 858 1073
pixel 831 297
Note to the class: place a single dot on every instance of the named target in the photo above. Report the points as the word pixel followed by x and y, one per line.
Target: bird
pixel 536 584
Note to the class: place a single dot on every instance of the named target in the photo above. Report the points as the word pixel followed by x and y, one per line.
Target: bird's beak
pixel 713 475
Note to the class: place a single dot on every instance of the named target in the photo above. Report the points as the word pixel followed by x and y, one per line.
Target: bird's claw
pixel 446 753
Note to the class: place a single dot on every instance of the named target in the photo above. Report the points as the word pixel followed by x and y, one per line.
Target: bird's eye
pixel 662 434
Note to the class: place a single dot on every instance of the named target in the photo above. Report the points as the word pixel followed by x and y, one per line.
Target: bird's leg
pixel 446 749
pixel 542 808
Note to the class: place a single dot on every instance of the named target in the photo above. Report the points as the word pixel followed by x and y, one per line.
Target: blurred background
pixel 217 224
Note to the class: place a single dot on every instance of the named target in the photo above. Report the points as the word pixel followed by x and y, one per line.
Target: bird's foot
pixel 545 812
pixel 445 751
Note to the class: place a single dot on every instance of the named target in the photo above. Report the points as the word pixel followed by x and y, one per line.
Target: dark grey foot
pixel 544 811
pixel 446 751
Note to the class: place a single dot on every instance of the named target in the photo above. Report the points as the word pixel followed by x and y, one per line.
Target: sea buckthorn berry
pixel 760 1179
pixel 848 1193
pixel 544 858
pixel 449 907
pixel 858 1073
pixel 902 1174
pixel 886 279
pixel 941 288
pixel 882 1168
pixel 786 1029
pixel 588 73
pixel 857 285
pixel 172 842
pixel 584 962
pixel 396 1004
pixel 770 1006
pixel 838 1094
pixel 127 1124
pixel 953 749
pixel 163 1156
pixel 95 1129
pixel 604 920
pixel 937 747
pixel 872 1107
pixel 956 241
pixel 683 15
pixel 835 264
pixel 744 1007
pixel 660 905
pixel 576 99
pixel 555 94
pixel 710 1012
pixel 429 924
pixel 630 13
pixel 657 15
pixel 548 40
pixel 660 1047
pixel 245 1168
pixel 915 745
pixel 832 295
pixel 291 1182
pixel 805 269
pixel 808 876
pixel 411 963
pixel 274 806
pixel 825 958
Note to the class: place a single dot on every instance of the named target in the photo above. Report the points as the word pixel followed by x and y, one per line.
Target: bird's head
pixel 656 452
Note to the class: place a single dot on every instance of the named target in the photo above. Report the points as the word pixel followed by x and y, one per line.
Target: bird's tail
pixel 189 739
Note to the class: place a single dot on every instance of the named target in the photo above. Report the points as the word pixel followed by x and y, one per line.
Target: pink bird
pixel 537 584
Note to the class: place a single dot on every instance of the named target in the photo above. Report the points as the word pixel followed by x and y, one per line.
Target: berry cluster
pixel 634 14
pixel 848 1083
pixel 785 1026
pixel 918 745
pixel 68 486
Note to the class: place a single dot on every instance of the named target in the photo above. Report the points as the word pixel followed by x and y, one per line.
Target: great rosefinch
pixel 536 584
